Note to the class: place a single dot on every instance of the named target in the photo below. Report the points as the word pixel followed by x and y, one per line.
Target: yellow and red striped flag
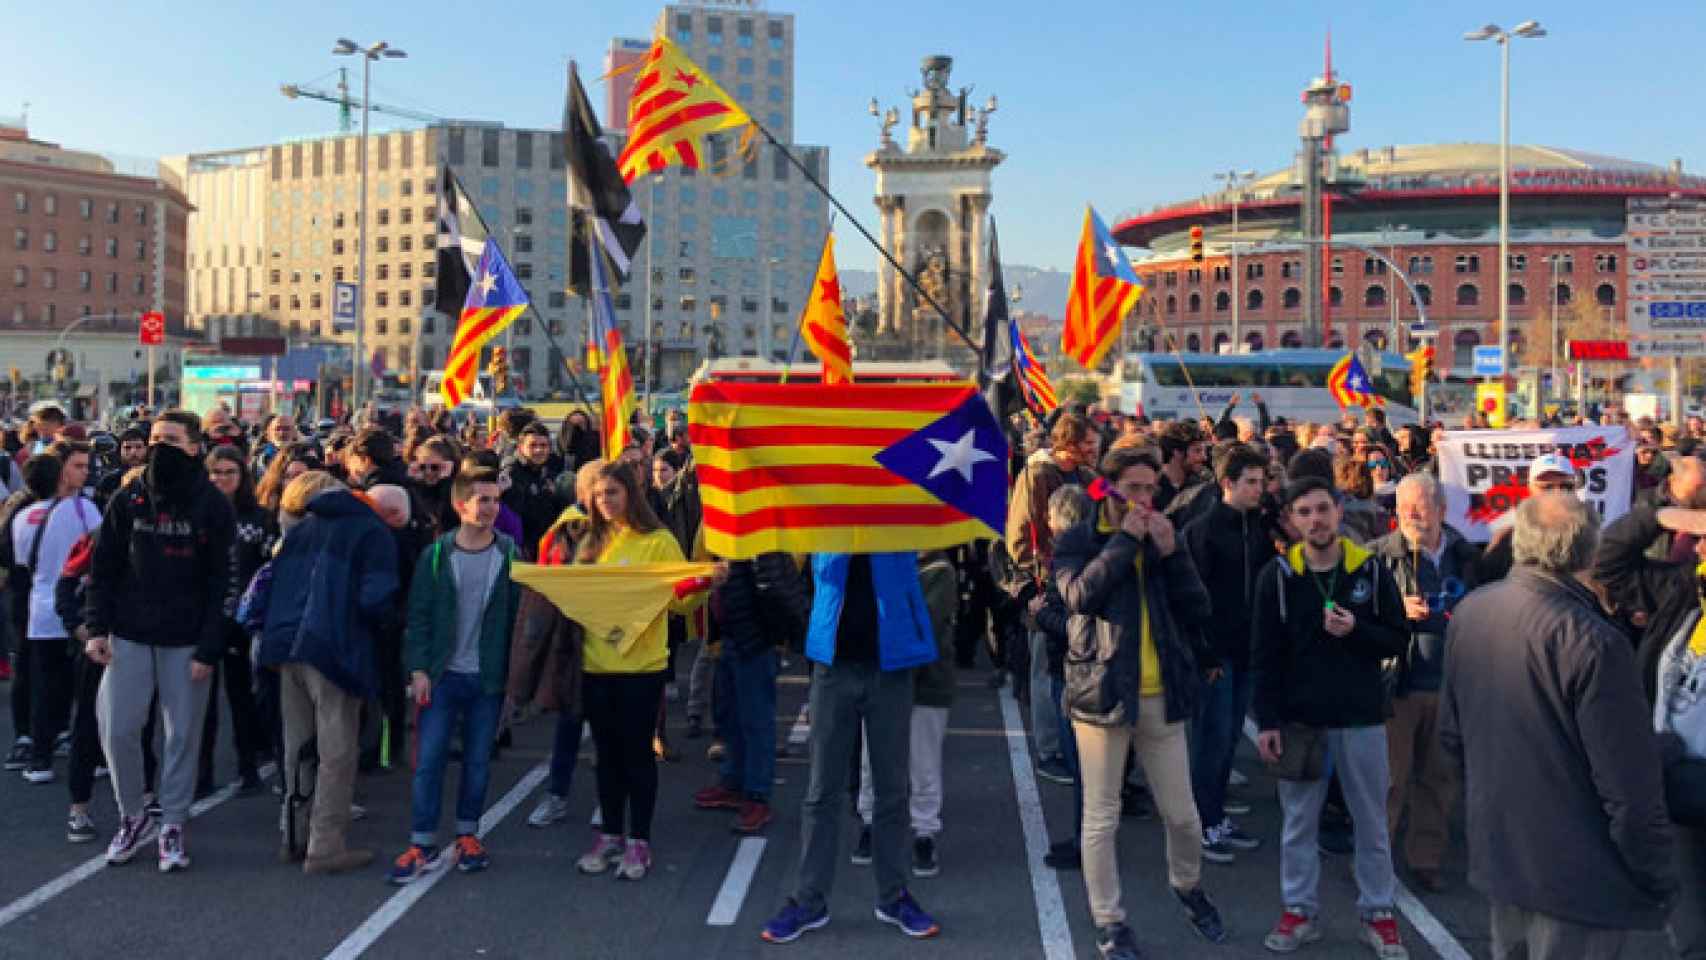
pixel 1104 288
pixel 849 468
pixel 495 299
pixel 674 103
pixel 823 325
pixel 605 354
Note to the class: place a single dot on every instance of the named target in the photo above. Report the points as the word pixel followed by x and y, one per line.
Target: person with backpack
pixel 41 480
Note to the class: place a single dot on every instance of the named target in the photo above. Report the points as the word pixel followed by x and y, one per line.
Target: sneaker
pixel 906 914
pixel 718 797
pixel 415 863
pixel 79 828
pixel 101 773
pixel 5 668
pixel 1215 849
pixel 1064 855
pixel 172 855
pixel 716 751
pixel 792 921
pixel 636 861
pixel 471 855
pixel 1204 918
pixel 1116 942
pixel 1237 779
pixel 862 850
pixel 924 862
pixel 1055 770
pixel 597 818
pixel 1237 808
pixel 1380 932
pixel 605 851
pixel 551 809
pixel 695 728
pixel 62 744
pixel 1235 838
pixel 1293 930
pixel 39 774
pixel 133 832
pixel 753 817
pixel 19 758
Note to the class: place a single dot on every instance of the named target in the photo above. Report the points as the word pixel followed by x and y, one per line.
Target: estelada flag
pixel 495 299
pixel 673 105
pixel 1104 289
pixel 848 468
pixel 823 325
pixel 1349 384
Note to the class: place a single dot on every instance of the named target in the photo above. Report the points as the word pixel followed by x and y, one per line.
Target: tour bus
pixel 1293 384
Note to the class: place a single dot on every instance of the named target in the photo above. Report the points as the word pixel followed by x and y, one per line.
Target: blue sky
pixel 1122 104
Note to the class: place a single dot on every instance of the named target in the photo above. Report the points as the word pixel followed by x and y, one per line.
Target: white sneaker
pixel 1237 780
pixel 132 833
pixel 597 817
pixel 551 809
pixel 172 855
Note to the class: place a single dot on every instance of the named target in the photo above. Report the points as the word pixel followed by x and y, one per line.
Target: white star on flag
pixel 961 455
pixel 1113 254
pixel 487 284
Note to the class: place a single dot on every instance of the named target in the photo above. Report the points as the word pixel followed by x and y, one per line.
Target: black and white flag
pixel 601 208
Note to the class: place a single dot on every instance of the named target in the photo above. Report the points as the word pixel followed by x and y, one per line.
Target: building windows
pixel 382 299
pixel 1254 271
pixel 112 212
pixel 773 68
pixel 1254 300
pixel 1374 296
pixel 1467 263
pixel 1291 299
pixel 1288 269
pixel 85 281
pixel 112 284
pixel 49 241
pixel 407 243
pixel 1222 302
pixel 774 29
pixel 139 286
pixel 382 245
pixel 337 250
pixel 1223 274
pixel 689 304
pixel 141 249
pixel 488 148
pixel 405 299
pixel 21 202
pixel 384 217
pixel 556 299
pixel 744 67
pixel 714 63
pixel 775 94
pixel 714 31
pixel 1335 297
pixel 383 272
pixel 743 33
pixel 1172 304
pixel 50 204
pixel 1605 295
pixel 523 150
pixel 1373 267
pixel 1468 295
pixel 524 271
pixel 523 216
pixel 314 301
pixel 1518 262
pixel 1516 294
pixel 273 302
pixel 1564 295
pixel 20 276
pixel 743 92
pixel 1421 264
pixel 1602 262
pixel 49 314
pixel 85 208
pixel 406 215
pixel 85 245
pixel 112 248
pixel 20 239
pixel 406 271
pixel 1425 293
pixel 683 28
pixel 1338 266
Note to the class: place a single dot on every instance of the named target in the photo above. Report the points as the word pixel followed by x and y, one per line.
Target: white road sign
pixel 1650 317
pixel 1668 347
pixel 1663 288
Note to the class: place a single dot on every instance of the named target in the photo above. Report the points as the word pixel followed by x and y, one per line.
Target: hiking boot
pixel 471 855
pixel 718 797
pixel 753 817
pixel 862 850
pixel 1204 918
pixel 19 758
pixel 1293 930
pixel 341 862
pixel 636 861
pixel 1116 942
pixel 172 854
pixel 1235 838
pixel 1215 849
pixel 133 832
pixel 606 851
pixel 924 862
pixel 551 809
pixel 906 914
pixel 793 920
pixel 79 828
pixel 1380 933
pixel 414 863
pixel 1055 770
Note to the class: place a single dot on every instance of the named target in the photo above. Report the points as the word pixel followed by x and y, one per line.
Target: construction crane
pixel 346 105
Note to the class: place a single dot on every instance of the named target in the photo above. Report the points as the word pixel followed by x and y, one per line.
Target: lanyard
pixel 1332 586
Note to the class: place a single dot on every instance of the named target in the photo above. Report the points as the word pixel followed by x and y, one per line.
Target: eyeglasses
pixel 1379 465
pixel 225 472
pixel 428 466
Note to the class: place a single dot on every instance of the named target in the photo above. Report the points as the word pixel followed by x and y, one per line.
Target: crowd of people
pixel 1159 588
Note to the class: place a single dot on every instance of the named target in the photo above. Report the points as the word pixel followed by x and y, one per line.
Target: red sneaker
pixel 718 798
pixel 754 816
pixel 5 669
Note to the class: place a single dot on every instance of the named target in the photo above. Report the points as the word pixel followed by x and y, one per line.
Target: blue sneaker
pixel 412 865
pixel 471 855
pixel 906 914
pixel 793 920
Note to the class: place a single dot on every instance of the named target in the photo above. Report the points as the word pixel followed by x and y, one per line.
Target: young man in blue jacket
pixel 869 628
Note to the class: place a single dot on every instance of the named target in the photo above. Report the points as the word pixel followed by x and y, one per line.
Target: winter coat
pixel 905 637
pixel 1636 580
pixel 532 495
pixel 933 684
pixel 546 652
pixel 1230 547
pixel 1303 674
pixel 761 606
pixel 429 640
pixel 1394 552
pixel 1543 713
pixel 1095 570
pixel 1028 540
pixel 333 583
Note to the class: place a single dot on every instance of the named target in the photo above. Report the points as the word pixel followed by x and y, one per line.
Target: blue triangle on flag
pixel 960 458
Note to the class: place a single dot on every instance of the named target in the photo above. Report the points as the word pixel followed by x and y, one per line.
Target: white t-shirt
pixel 71 518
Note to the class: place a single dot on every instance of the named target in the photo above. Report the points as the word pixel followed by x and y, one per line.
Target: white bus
pixel 1293 384
pixel 480 401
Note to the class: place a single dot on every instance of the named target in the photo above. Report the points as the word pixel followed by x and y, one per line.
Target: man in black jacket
pixel 1230 545
pixel 1565 804
pixel 1434 567
pixel 156 605
pixel 1326 615
pixel 532 491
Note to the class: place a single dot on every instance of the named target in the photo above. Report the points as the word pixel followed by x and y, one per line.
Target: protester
pixel 1326 615
pixel 1568 836
pixel 531 490
pixel 40 474
pixel 132 451
pixel 156 621
pixel 252 545
pixel 290 462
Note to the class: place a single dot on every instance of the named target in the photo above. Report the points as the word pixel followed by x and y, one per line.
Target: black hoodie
pixel 163 561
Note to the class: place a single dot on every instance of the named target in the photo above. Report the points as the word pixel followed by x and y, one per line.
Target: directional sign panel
pixel 1650 317
pixel 1668 347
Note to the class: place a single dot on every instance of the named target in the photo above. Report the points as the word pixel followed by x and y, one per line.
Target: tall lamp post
pixel 346 47
pixel 1236 181
pixel 1530 30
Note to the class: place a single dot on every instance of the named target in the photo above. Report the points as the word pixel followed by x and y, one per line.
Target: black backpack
pixel 8 510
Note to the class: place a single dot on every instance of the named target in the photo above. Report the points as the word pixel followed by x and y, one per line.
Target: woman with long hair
pixel 624 676
pixel 292 461
pixel 256 530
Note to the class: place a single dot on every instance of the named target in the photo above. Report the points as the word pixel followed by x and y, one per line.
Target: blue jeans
pixel 748 687
pixel 565 749
pixel 1215 729
pixel 455 697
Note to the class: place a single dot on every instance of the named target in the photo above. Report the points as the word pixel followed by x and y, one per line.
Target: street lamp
pixel 1236 181
pixel 346 47
pixel 1528 30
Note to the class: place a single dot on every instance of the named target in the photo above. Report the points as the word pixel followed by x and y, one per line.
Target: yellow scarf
pixel 1697 640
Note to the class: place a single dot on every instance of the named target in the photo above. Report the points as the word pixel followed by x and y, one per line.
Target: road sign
pixel 151 332
pixel 1421 331
pixel 1668 347
pixel 1489 361
pixel 1598 349
pixel 344 299
pixel 1651 317
pixel 1490 400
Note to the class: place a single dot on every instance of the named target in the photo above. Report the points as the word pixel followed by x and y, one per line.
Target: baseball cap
pixel 1551 463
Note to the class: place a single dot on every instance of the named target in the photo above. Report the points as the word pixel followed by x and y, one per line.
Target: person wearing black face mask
pixel 155 605
pixel 430 472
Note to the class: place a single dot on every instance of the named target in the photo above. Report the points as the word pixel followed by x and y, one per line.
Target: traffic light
pixel 1196 244
pixel 498 367
pixel 1421 365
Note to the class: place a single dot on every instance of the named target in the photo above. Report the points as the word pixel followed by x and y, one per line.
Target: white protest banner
pixel 1485 472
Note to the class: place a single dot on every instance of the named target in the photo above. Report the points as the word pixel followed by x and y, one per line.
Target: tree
pixel 1083 390
pixel 1581 319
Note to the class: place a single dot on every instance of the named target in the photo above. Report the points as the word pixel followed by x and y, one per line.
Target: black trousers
pixel 247 734
pixel 18 617
pixel 51 683
pixel 621 708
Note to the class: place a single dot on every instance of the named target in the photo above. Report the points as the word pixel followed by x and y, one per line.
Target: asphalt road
pixel 57 900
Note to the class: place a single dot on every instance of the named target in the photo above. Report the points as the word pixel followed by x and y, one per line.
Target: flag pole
pixel 574 381
pixel 912 281
pixel 794 347
pixel 1173 344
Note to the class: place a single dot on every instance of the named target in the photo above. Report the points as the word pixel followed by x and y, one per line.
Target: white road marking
pixel 393 909
pixel 1420 917
pixel 1045 886
pixel 733 893
pixel 65 881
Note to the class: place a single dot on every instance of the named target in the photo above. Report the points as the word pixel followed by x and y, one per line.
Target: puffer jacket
pixel 762 605
pixel 1095 569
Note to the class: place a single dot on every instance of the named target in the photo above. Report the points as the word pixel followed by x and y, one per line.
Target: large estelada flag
pixel 1104 289
pixel 673 105
pixel 495 299
pixel 849 468
pixel 823 324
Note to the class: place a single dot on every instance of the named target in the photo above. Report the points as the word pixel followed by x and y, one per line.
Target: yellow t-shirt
pixel 1149 662
pixel 649 653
